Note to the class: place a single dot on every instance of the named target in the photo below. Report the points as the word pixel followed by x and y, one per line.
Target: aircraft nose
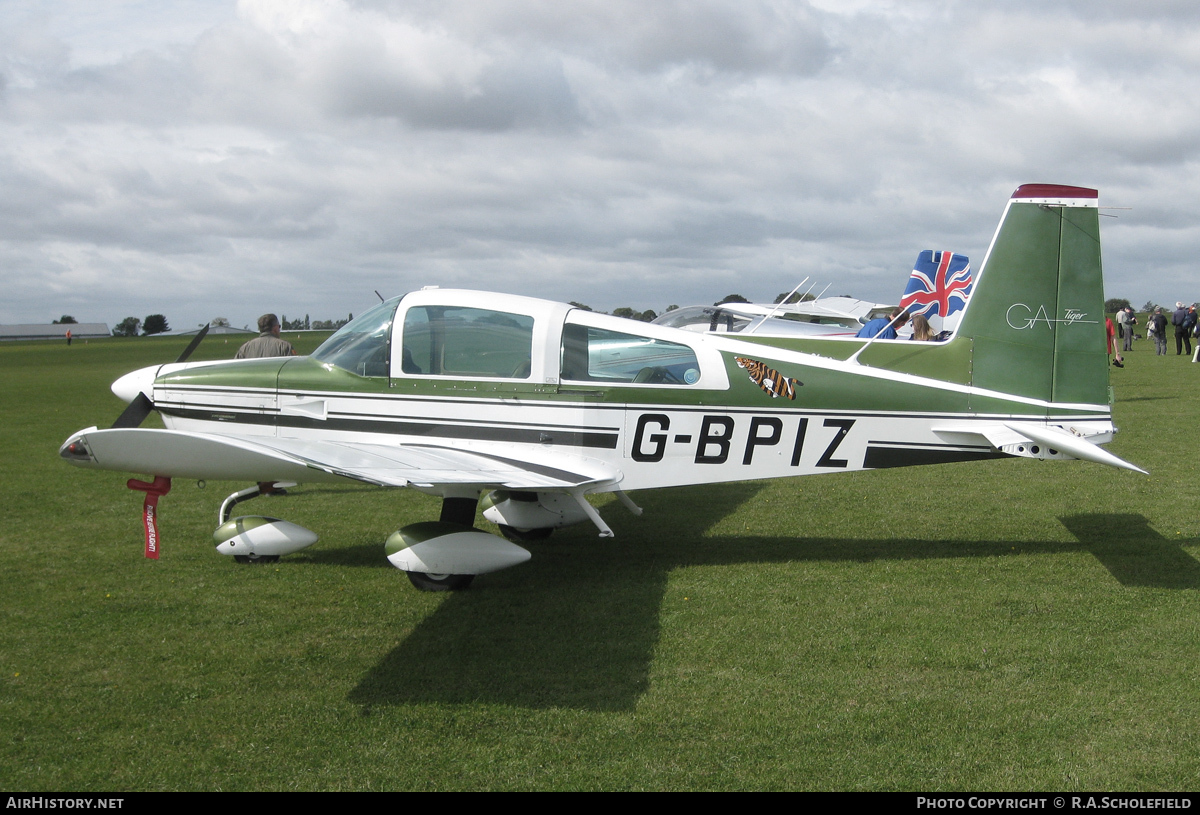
pixel 135 382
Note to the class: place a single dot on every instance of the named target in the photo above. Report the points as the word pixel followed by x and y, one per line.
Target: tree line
pixel 153 324
pixel 1115 304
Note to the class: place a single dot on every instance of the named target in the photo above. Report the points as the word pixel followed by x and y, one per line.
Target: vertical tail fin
pixel 1036 317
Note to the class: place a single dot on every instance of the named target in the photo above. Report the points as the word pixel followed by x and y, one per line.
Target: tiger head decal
pixel 769 379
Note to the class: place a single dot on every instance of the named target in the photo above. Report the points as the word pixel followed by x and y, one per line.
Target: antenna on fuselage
pixel 853 359
pixel 782 302
pixel 816 303
pixel 380 296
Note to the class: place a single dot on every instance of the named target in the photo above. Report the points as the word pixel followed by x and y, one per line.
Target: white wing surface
pixel 185 454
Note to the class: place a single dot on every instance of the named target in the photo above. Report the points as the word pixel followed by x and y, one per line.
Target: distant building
pixel 58 331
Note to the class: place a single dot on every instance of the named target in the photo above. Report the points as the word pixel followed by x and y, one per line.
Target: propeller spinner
pixel 133 387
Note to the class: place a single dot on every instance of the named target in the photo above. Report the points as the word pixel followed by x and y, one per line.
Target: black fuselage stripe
pixel 223 409
pixel 928 445
pixel 880 458
pixel 554 436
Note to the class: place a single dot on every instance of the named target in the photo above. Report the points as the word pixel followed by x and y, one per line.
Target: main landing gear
pixel 426 581
pixel 525 535
pixel 460 511
pixel 446 554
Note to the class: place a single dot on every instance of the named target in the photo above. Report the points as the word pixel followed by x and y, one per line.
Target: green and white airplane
pixel 531 405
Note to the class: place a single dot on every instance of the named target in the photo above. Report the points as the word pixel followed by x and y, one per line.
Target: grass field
pixel 1006 625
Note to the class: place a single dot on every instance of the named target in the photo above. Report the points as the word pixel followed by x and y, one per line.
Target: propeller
pixel 140 407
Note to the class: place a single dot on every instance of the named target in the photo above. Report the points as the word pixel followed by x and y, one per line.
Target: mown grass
pixel 1007 625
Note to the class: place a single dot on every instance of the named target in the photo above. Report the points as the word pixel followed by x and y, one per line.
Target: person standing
pixel 1189 327
pixel 884 328
pixel 1111 342
pixel 1158 327
pixel 267 343
pixel 1122 329
pixel 1130 322
pixel 1181 337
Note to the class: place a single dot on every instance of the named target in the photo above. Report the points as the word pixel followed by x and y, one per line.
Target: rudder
pixel 1036 318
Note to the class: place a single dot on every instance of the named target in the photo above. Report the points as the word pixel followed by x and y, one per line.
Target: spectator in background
pixel 923 331
pixel 1181 334
pixel 1111 341
pixel 883 328
pixel 267 343
pixel 1130 322
pixel 1157 328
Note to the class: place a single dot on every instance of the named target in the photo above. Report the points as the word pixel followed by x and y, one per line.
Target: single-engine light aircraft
pixel 529 405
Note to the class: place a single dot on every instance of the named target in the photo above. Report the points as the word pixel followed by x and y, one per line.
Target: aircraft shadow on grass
pixel 1134 553
pixel 578 626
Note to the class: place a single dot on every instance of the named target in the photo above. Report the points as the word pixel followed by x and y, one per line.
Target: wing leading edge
pixel 186 454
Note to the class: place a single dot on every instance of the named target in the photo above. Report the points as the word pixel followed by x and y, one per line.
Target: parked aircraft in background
pixel 849 311
pixel 760 319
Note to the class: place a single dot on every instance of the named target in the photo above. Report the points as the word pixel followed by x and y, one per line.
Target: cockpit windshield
pixel 362 345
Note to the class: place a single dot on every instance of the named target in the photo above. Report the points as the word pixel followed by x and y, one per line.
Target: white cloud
pixel 201 158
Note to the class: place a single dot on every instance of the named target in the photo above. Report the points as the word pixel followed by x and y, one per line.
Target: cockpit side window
pixel 471 342
pixel 592 354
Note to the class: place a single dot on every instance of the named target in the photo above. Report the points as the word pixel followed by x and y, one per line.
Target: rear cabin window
pixel 599 355
pixel 457 341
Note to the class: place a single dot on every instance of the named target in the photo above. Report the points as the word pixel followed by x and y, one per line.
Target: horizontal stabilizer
pixel 1005 434
pixel 1073 445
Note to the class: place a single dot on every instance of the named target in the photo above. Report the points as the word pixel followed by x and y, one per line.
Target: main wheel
pixel 526 535
pixel 256 558
pixel 439 582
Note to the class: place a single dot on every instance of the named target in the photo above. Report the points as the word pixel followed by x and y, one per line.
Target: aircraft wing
pixel 185 454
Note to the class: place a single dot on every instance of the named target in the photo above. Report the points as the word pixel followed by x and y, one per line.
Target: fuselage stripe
pixel 548 435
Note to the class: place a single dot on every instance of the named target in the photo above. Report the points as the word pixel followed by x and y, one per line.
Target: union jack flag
pixel 939 286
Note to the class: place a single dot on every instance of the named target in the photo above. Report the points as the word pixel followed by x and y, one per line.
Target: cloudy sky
pixel 205 158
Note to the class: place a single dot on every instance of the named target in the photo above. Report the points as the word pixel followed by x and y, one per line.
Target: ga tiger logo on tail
pixel 769 379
